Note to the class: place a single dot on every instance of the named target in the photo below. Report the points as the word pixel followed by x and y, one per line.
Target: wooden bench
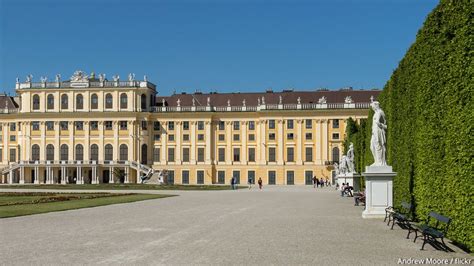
pixel 432 233
pixel 402 216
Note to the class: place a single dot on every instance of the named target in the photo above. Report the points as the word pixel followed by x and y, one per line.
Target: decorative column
pixel 63 174
pixel 57 146
pixel 318 142
pixel 208 142
pixel 164 149
pixel 178 148
pixel 258 138
pixel 228 137
pixel 22 175
pixel 325 139
pixel 193 143
pixel 6 137
pixel 116 141
pixel 244 148
pixel 127 172
pixel 42 141
pixel 94 180
pixel 86 141
pixel 263 143
pixel 280 144
pixel 111 175
pixel 101 141
pixel 36 177
pixel 299 142
pixel 71 130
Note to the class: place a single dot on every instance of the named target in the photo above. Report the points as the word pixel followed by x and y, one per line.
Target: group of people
pixel 320 182
pixel 233 183
pixel 346 189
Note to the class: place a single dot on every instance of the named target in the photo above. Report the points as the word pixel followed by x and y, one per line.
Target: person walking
pixel 260 183
pixel 250 181
pixel 321 182
pixel 315 181
pixel 232 183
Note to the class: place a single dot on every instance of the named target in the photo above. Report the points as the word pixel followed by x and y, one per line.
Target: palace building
pixel 92 130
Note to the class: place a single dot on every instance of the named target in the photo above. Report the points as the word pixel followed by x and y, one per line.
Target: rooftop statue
pixel 378 140
pixel 79 76
pixel 17 80
pixel 178 102
pixel 58 78
pixel 29 78
pixel 348 99
pixel 116 78
pixel 228 102
pixel 299 100
pixel 243 103
pixel 145 78
pixel 208 101
pixel 280 100
pixel 44 79
pixel 322 100
pixel 131 77
pixel 101 77
pixel 263 100
pixel 194 102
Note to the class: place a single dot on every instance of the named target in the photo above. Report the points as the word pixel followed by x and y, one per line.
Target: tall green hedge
pixel 429 106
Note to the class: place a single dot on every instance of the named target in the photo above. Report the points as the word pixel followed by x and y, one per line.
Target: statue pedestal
pixel 352 178
pixel 378 190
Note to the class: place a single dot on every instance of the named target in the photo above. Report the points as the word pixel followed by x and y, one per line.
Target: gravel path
pixel 279 225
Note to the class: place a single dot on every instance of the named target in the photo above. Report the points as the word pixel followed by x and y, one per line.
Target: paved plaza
pixel 279 225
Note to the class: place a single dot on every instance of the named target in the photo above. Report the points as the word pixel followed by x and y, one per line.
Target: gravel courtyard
pixel 279 225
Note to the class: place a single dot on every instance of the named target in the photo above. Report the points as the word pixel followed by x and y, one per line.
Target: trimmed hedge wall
pixel 429 106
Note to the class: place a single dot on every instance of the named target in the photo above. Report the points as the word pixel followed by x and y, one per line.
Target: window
pixel 63 125
pixel 94 125
pixel 144 125
pixel 143 102
pixel 272 154
pixel 236 155
pixel 221 137
pixel 271 124
pixel 200 137
pixel 290 178
pixel 12 126
pixel 200 155
pixel 289 136
pixel 109 101
pixel 79 125
pixel 12 138
pixel 144 159
pixel 171 125
pixel 1 155
pixel 171 154
pixel 123 101
pixel 156 154
pixel 309 154
pixel 64 101
pixel 49 125
pixel 236 175
pixel 251 154
pixel 12 155
pixel 79 152
pixel 335 123
pixel 94 101
pixel 157 137
pixel 64 152
pixel 236 125
pixel 221 177
pixel 251 177
pixel 108 152
pixel 79 102
pixel 171 137
pixel 200 177
pixel 289 124
pixel 290 154
pixel 221 152
pixel 35 152
pixel 49 152
pixel 200 125
pixel 123 125
pixel 335 154
pixel 185 177
pixel 156 126
pixel 335 135
pixel 271 136
pixel 251 137
pixel 36 102
pixel 271 177
pixel 186 125
pixel 185 154
pixel 221 125
pixel 170 179
pixel 35 125
pixel 50 102
pixel 236 137
pixel 309 136
pixel 123 152
pixel 94 152
pixel 251 125
pixel 309 123
pixel 186 137
pixel 108 125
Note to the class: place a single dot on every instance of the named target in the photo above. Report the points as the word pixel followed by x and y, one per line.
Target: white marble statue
pixel 258 101
pixel 29 78
pixel 101 77
pixel 208 101
pixel 243 103
pixel 228 102
pixel 163 101
pixel 178 102
pixel 343 169
pixel 145 78
pixel 116 78
pixel 17 80
pixel 131 76
pixel 378 140
pixel 280 100
pixel 350 159
pixel 58 78
pixel 336 167
pixel 44 79
pixel 348 99
pixel 263 100
pixel 322 100
pixel 194 102
pixel 79 76
pixel 299 100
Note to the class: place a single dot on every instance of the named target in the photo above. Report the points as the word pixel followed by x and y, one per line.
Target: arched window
pixel 108 152
pixel 64 153
pixel 144 154
pixel 35 152
pixel 50 152
pixel 36 102
pixel 94 101
pixel 79 102
pixel 335 154
pixel 50 104
pixel 123 101
pixel 79 152
pixel 94 152
pixel 123 152
pixel 109 101
pixel 64 101
pixel 143 101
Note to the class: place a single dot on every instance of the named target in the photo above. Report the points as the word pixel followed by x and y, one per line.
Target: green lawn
pixel 18 203
pixel 124 187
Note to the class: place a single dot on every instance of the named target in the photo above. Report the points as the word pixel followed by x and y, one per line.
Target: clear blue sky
pixel 227 45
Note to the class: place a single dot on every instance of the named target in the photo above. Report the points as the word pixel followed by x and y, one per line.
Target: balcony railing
pixel 86 84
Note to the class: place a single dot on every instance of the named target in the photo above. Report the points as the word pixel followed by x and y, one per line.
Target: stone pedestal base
pixel 351 178
pixel 378 190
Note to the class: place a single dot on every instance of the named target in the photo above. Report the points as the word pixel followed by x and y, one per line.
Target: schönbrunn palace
pixel 82 130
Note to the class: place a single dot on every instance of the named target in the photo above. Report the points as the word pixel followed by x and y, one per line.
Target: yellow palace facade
pixel 93 130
